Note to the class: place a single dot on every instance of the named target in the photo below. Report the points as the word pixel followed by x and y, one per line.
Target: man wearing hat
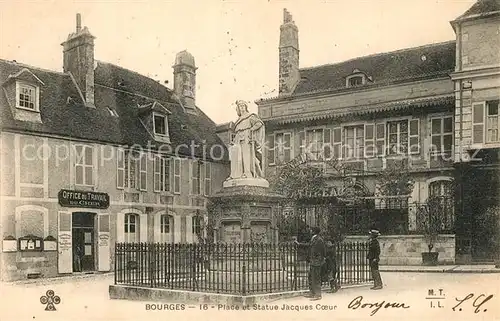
pixel 373 258
pixel 316 262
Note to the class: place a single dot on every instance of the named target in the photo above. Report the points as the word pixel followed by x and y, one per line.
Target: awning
pixel 365 109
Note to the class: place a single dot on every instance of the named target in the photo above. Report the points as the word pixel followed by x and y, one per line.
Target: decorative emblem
pixel 50 299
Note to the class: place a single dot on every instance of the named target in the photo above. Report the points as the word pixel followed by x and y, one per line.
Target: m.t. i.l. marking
pixel 436 298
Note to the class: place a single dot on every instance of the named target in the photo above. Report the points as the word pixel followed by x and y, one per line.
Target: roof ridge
pixel 379 54
pixel 132 71
pixel 20 64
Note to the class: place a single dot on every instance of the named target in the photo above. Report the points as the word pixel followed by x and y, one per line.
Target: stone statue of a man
pixel 247 145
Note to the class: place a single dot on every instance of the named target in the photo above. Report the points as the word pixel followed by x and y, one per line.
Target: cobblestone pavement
pixel 87 299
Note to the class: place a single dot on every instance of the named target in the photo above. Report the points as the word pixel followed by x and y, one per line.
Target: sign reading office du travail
pixel 68 198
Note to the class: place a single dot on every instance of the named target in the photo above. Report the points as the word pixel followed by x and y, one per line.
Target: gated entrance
pixel 478 208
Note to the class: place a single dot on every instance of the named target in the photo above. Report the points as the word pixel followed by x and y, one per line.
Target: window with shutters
pixel 314 143
pixel 177 175
pixel 161 174
pixel 282 147
pixel 84 165
pixel 132 170
pixel 397 136
pixel 354 142
pixel 492 122
pixel 131 228
pixel 442 136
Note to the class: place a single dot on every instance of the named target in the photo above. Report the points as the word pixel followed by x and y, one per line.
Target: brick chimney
pixel 289 74
pixel 79 60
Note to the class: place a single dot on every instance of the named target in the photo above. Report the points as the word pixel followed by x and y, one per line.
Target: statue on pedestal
pixel 245 153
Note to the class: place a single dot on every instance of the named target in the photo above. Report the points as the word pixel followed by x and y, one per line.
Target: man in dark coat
pixel 373 258
pixel 330 271
pixel 316 261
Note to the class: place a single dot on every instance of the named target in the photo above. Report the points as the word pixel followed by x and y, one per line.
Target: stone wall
pixel 407 249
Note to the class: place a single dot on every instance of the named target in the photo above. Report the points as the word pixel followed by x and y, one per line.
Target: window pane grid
pixel 27 96
pixel 442 135
pixel 84 168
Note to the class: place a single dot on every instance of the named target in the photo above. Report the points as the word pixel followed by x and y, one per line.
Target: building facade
pixel 408 110
pixel 98 154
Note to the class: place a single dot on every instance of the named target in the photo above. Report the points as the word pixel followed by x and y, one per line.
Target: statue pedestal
pixel 246 213
pixel 233 182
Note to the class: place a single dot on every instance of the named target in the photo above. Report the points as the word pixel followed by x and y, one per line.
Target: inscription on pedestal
pixel 231 232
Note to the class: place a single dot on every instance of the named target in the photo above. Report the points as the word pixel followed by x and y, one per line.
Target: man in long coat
pixel 316 261
pixel 373 258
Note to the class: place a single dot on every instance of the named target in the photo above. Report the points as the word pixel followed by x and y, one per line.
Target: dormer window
pixel 154 117
pixel 355 81
pixel 23 95
pixel 357 78
pixel 27 96
pixel 160 124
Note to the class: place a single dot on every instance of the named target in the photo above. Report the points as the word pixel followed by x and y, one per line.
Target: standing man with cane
pixel 373 258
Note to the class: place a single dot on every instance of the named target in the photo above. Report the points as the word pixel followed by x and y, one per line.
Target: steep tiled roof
pixel 116 88
pixel 385 68
pixel 481 7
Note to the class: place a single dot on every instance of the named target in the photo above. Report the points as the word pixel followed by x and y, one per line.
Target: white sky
pixel 235 43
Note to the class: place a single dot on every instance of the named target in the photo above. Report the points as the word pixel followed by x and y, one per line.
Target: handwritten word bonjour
pixel 357 302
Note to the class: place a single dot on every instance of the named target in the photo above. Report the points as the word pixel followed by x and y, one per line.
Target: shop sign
pixel 68 198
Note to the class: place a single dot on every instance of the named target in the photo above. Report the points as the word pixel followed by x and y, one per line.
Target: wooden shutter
pixel 157 228
pixel 337 142
pixel 143 172
pixel 95 167
pixel 120 169
pixel 380 139
pixel 177 175
pixel 327 143
pixel 369 140
pixel 65 243
pixel 143 227
pixel 302 142
pixel 414 137
pixel 203 168
pixel 208 179
pixel 478 123
pixel 120 227
pixel 157 173
pixel 195 180
pixel 189 229
pixel 103 251
pixel 287 147
pixel 270 149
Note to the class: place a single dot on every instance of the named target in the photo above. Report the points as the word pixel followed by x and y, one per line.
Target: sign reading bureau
pixel 68 198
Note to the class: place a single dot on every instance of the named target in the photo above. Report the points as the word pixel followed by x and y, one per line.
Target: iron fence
pixel 232 268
